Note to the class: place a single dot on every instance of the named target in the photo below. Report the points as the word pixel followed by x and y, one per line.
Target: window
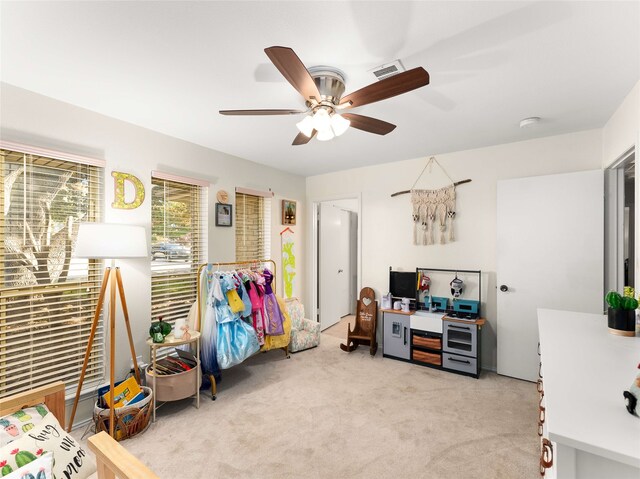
pixel 253 227
pixel 47 298
pixel 178 243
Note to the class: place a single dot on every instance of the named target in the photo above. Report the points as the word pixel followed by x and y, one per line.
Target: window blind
pixel 47 298
pixel 178 245
pixel 253 227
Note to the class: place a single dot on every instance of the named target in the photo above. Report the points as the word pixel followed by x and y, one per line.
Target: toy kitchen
pixel 432 317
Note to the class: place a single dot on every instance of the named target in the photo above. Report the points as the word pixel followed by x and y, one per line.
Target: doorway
pixel 620 218
pixel 336 259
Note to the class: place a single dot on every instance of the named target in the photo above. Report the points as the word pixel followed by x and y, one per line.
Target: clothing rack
pixel 253 264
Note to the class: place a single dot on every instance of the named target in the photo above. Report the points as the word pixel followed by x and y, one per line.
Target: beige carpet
pixel 339 330
pixel 325 413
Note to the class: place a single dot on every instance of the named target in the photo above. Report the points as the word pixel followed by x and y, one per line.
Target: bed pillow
pixel 41 468
pixel 14 426
pixel 71 461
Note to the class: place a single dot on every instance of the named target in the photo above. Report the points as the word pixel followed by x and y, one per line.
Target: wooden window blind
pixel 178 245
pixel 253 227
pixel 47 297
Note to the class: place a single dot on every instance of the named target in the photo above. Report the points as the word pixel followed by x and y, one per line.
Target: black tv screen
pixel 402 284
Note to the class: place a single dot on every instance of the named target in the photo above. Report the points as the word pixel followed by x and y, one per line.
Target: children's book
pixel 123 393
pixel 138 397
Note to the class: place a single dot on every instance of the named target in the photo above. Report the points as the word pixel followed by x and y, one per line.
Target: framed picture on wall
pixel 288 212
pixel 223 214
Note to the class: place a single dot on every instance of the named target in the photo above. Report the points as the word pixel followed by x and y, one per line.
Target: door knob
pixel 504 288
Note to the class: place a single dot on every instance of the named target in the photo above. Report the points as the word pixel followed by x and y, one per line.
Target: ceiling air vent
pixel 388 69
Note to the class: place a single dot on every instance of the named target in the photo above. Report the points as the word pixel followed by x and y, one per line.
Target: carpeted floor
pixel 339 330
pixel 325 413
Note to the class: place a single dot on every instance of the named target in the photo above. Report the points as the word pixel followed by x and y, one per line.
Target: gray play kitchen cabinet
pixel 432 340
pixel 397 328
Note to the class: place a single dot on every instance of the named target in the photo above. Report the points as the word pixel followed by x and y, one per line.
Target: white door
pixel 550 254
pixel 333 261
pixel 344 259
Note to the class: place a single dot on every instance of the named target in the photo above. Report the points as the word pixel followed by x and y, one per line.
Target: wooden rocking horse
pixel 364 330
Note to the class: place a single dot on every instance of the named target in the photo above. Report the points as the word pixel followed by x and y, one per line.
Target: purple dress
pixel 273 315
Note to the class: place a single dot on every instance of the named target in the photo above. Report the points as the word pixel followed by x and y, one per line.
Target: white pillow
pixel 14 426
pixel 41 468
pixel 71 460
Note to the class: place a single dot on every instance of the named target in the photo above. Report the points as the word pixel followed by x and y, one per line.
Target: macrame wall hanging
pixel 433 210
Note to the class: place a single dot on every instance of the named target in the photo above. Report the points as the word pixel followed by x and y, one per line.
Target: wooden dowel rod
pixel 112 348
pixel 125 313
pixel 461 182
pixel 92 334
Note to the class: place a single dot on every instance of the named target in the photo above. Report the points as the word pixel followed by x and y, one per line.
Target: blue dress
pixel 236 340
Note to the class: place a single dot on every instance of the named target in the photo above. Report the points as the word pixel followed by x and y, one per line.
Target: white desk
pixel 585 371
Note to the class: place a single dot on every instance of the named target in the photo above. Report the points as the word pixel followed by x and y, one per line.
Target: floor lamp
pixel 109 241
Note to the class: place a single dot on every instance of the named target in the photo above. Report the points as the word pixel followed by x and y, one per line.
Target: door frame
pixel 314 280
pixel 614 210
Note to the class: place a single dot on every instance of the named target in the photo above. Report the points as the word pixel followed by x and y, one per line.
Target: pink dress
pixel 256 310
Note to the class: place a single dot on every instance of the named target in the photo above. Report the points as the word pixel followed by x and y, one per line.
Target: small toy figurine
pixel 156 333
pixel 186 335
pixel 633 396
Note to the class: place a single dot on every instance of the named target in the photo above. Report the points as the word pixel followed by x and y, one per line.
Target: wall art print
pixel 288 212
pixel 223 214
pixel 288 261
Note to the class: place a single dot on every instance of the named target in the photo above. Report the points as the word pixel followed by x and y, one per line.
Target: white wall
pixel 622 130
pixel 386 222
pixel 33 119
pixel 619 134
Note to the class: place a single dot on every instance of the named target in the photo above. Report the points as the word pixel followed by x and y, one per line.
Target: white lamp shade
pixel 339 124
pixel 325 134
pixel 306 126
pixel 111 241
pixel 321 120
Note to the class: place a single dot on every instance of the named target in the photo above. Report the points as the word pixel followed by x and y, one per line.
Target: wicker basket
pixel 130 420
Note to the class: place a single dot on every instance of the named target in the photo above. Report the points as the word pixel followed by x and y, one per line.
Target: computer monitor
pixel 403 284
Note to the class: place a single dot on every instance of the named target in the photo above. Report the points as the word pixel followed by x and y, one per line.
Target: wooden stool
pixel 364 330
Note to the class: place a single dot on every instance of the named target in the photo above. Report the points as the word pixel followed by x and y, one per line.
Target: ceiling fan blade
pixel 292 68
pixel 371 125
pixel 303 139
pixel 261 112
pixel 389 87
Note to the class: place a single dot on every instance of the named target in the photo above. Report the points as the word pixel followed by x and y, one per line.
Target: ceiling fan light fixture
pixel 321 120
pixel 306 126
pixel 339 124
pixel 325 134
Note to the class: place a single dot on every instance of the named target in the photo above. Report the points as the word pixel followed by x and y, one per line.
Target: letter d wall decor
pixel 118 198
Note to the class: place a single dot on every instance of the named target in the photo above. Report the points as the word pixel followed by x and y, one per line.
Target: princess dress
pixel 209 326
pixel 233 298
pixel 273 314
pixel 256 310
pixel 241 279
pixel 236 339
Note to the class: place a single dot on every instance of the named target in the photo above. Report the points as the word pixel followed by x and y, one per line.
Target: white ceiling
pixel 171 66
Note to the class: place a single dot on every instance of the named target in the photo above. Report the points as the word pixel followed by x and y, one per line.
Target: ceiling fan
pixel 322 89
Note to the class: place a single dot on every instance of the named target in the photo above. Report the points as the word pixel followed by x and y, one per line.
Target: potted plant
pixel 622 312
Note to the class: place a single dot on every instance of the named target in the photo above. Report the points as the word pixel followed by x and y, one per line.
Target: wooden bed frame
pixel 112 460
